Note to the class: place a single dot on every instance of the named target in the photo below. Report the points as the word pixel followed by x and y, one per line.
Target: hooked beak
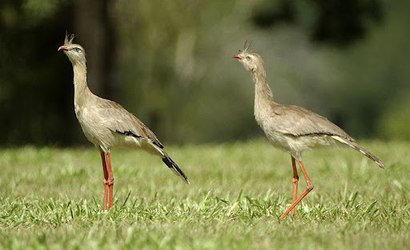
pixel 63 48
pixel 237 57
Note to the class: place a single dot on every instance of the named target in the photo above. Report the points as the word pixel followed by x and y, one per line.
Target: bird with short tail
pixel 107 124
pixel 292 128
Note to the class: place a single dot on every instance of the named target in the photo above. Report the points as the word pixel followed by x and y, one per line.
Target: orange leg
pixel 295 180
pixel 309 188
pixel 108 180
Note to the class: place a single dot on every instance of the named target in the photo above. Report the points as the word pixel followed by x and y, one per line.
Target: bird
pixel 107 124
pixel 291 128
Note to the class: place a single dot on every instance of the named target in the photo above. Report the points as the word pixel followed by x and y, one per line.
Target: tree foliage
pixel 331 22
pixel 169 62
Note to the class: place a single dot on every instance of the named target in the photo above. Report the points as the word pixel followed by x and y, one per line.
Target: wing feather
pixel 119 120
pixel 297 121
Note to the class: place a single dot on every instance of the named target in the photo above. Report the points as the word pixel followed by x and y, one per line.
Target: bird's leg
pixel 309 188
pixel 104 166
pixel 295 180
pixel 110 180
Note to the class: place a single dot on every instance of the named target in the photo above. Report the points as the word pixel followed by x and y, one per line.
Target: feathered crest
pixel 246 46
pixel 68 38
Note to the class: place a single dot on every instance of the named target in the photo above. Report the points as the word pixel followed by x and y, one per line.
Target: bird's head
pixel 74 52
pixel 251 61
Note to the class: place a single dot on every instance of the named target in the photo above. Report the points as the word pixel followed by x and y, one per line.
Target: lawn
pixel 50 198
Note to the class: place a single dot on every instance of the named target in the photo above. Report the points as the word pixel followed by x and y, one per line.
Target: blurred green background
pixel 170 63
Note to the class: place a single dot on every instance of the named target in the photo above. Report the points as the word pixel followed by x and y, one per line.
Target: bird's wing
pixel 119 120
pixel 297 121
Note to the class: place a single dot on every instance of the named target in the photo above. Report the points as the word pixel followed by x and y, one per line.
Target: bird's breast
pixel 93 128
pixel 262 117
pixel 76 110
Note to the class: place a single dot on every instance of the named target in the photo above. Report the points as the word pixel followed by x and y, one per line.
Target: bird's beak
pixel 63 48
pixel 237 57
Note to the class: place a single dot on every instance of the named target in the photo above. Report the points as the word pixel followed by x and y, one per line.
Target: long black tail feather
pixel 174 167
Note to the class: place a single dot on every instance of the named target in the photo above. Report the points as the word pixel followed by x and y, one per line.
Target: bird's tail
pixel 174 167
pixel 359 148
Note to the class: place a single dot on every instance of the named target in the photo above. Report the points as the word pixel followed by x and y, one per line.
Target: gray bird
pixel 292 128
pixel 107 124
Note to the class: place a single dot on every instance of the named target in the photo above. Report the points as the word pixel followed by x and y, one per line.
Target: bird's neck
pixel 81 90
pixel 263 93
pixel 263 97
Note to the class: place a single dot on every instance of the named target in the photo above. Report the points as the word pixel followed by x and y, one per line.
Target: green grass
pixel 51 199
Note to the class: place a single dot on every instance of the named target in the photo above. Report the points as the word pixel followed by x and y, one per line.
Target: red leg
pixel 104 166
pixel 295 180
pixel 309 188
pixel 108 180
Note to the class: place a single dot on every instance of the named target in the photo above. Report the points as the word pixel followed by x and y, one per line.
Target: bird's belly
pixel 298 144
pixel 283 142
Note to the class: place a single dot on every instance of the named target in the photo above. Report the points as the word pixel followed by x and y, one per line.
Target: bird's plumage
pixel 296 121
pixel 108 124
pixel 292 128
pixel 289 127
pixel 105 123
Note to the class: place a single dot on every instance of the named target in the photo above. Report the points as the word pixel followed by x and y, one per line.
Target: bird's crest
pixel 68 39
pixel 246 46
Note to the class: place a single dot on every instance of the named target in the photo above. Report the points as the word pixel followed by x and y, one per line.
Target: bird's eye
pixel 248 58
pixel 77 49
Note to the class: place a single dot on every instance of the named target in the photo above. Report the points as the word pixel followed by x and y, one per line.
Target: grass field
pixel 51 199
